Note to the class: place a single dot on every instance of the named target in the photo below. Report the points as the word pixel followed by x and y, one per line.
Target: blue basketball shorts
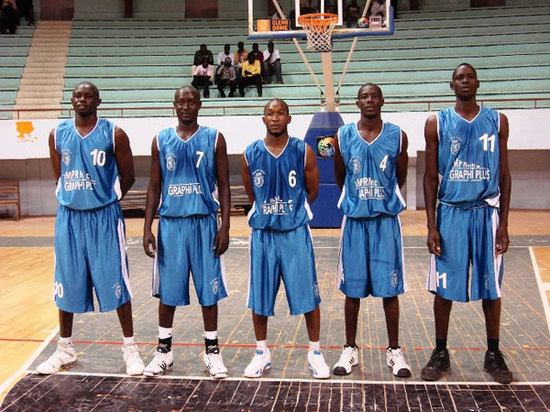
pixel 90 254
pixel 286 255
pixel 371 257
pixel 185 245
pixel 468 268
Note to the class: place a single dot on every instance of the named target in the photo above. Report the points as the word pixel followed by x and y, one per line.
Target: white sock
pixel 314 346
pixel 211 334
pixel 128 341
pixel 261 345
pixel 165 333
pixel 66 341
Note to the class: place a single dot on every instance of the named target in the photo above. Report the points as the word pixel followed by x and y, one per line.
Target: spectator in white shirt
pixel 224 54
pixel 272 64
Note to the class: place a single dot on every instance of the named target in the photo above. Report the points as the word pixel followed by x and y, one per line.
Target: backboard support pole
pixel 328 79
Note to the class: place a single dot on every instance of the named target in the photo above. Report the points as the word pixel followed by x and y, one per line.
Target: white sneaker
pixel 162 361
pixel 134 364
pixel 260 362
pixel 396 361
pixel 317 365
pixel 348 358
pixel 214 363
pixel 63 358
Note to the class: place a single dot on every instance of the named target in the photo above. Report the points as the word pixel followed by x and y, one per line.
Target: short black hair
pixel 464 64
pixel 279 101
pixel 192 89
pixel 90 85
pixel 371 85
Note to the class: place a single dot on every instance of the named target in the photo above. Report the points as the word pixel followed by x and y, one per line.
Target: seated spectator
pixel 239 58
pixel 224 55
pixel 202 75
pixel 352 13
pixel 272 64
pixel 227 77
pixel 308 6
pixel 251 74
pixel 258 55
pixel 26 10
pixel 201 54
pixel 377 8
pixel 9 16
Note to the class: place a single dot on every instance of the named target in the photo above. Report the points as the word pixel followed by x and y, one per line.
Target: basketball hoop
pixel 318 28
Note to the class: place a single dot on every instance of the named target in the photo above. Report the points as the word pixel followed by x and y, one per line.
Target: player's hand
pixel 502 240
pixel 433 242
pixel 149 244
pixel 221 242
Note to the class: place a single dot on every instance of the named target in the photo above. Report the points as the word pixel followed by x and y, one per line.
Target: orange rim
pixel 318 19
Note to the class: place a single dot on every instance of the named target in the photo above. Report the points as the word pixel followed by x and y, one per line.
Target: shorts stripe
pixel 497 262
pixel 123 256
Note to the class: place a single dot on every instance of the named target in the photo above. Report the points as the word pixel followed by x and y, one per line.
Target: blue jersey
pixel 188 170
pixel 370 187
pixel 89 173
pixel 280 197
pixel 469 158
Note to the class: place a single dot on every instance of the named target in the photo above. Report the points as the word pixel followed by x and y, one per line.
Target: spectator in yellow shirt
pixel 252 74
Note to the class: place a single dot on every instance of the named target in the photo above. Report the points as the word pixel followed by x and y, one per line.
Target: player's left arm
pixel 221 241
pixel 124 160
pixel 505 184
pixel 402 163
pixel 311 175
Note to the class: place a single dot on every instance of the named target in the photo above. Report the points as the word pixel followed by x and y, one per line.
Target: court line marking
pixel 542 287
pixel 298 380
pixel 25 367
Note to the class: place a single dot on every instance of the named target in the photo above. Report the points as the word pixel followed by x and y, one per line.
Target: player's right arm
pixel 339 168
pixel 153 199
pixel 431 183
pixel 54 156
pixel 247 181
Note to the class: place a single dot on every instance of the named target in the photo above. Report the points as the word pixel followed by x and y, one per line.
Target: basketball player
pixel 370 164
pixel 467 160
pixel 281 179
pixel 189 172
pixel 92 162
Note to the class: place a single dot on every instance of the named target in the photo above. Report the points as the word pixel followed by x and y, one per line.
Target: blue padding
pixel 322 128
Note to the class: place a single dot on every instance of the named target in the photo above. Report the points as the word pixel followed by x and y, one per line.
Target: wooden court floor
pixel 29 318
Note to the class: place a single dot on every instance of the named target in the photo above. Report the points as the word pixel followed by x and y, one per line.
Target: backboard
pixel 265 20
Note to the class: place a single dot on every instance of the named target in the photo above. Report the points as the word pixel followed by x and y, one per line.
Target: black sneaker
pixel 496 366
pixel 439 362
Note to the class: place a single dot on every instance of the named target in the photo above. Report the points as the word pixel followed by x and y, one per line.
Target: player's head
pixel 240 45
pixel 276 117
pixel 370 100
pixel 187 103
pixel 270 46
pixel 464 81
pixel 85 99
pixel 226 48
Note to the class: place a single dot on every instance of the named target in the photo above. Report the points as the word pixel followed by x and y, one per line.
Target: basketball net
pixel 318 28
